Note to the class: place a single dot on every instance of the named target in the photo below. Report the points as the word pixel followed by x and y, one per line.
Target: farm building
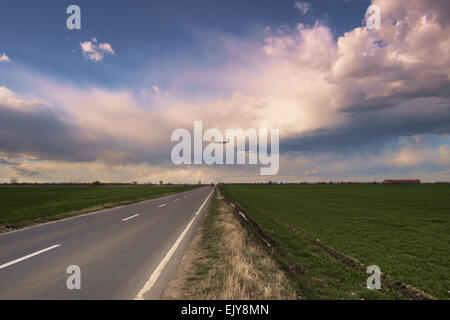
pixel 410 181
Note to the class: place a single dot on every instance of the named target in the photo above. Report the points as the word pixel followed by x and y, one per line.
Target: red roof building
pixel 402 181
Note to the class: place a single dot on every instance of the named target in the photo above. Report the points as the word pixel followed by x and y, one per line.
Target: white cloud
pixel 106 47
pixel 4 58
pixel 96 51
pixel 13 100
pixel 303 7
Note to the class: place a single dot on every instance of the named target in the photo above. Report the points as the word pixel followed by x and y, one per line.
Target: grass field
pixel 404 229
pixel 22 205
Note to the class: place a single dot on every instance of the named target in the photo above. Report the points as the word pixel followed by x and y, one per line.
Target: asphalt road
pixel 123 253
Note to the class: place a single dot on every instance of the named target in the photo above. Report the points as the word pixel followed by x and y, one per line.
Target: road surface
pixel 127 252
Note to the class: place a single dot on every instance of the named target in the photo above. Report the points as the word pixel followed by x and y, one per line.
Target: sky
pixel 100 103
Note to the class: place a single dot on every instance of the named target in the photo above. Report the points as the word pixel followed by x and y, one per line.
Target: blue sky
pixel 160 37
pixel 100 103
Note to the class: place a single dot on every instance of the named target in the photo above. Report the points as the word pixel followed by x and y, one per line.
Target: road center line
pixel 155 275
pixel 176 200
pixel 162 205
pixel 131 217
pixel 28 256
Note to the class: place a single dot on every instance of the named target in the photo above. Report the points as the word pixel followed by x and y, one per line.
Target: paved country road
pixel 127 252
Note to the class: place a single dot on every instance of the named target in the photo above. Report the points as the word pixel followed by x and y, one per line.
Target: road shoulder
pixel 225 261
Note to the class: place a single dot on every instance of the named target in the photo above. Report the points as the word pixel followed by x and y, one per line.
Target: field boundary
pixel 403 289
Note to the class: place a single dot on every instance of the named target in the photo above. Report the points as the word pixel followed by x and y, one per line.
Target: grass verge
pixel 225 261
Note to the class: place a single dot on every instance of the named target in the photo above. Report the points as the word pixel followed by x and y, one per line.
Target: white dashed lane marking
pixel 131 217
pixel 28 256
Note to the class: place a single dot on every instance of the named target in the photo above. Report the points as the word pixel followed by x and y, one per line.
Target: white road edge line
pixel 243 215
pixel 28 256
pixel 176 200
pixel 162 205
pixel 131 217
pixel 267 242
pixel 159 269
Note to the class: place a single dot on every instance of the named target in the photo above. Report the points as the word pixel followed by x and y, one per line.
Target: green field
pixel 404 229
pixel 22 205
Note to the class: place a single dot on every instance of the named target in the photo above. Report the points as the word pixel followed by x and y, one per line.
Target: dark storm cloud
pixel 375 123
pixel 40 133
pixel 442 9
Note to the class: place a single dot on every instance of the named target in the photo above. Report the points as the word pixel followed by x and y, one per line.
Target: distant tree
pixel 199 182
pixel 161 182
pixel 96 183
pixel 14 181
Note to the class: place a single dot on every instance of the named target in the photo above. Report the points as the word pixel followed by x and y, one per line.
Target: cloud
pixel 376 85
pixel 86 125
pixel 303 7
pixel 23 169
pixel 344 106
pixel 372 129
pixel 95 51
pixel 4 58
pixel 6 160
pixel 311 172
pixel 29 126
pixel 39 133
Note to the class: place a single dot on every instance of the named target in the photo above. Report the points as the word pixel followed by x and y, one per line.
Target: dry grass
pixel 224 261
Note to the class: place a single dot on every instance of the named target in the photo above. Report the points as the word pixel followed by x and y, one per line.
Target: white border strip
pixel 156 274
pixel 28 256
